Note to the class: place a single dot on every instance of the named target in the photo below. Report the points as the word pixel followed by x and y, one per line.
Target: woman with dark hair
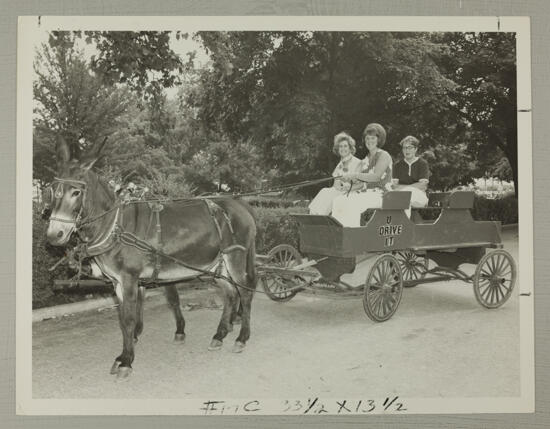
pixel 375 177
pixel 344 146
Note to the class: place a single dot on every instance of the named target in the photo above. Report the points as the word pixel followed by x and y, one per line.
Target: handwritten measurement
pixel 307 406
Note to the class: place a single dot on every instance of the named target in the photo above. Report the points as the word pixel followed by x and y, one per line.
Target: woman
pixel 375 177
pixel 344 146
pixel 412 173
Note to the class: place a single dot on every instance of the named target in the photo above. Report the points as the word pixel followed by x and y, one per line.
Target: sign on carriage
pixel 390 231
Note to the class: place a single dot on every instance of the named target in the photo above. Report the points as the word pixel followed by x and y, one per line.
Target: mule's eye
pixel 76 193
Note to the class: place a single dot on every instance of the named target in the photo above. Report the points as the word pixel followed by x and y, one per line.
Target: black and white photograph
pixel 274 216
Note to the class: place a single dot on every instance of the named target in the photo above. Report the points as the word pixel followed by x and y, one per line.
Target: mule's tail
pixel 251 273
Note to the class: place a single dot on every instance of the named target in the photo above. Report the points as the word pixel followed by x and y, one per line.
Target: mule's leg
pixel 174 300
pixel 237 265
pixel 118 290
pixel 229 298
pixel 244 334
pixel 139 313
pixel 128 316
pixel 249 278
pixel 236 316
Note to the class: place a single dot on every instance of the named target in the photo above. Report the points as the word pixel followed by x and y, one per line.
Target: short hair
pixel 339 138
pixel 375 130
pixel 413 141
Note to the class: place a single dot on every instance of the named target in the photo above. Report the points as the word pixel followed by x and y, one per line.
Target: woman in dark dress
pixel 412 173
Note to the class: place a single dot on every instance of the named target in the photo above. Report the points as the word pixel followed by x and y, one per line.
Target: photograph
pixel 274 216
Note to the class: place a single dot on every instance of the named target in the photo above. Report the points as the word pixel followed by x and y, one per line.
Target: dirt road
pixel 440 343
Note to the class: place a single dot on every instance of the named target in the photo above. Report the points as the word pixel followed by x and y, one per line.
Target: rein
pixel 118 235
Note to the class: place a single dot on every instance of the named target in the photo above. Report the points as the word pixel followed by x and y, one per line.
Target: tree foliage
pixel 142 60
pixel 291 92
pixel 483 65
pixel 268 104
pixel 70 102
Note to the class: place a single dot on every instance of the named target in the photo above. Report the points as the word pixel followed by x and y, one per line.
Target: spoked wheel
pixel 383 288
pixel 494 278
pixel 413 267
pixel 277 286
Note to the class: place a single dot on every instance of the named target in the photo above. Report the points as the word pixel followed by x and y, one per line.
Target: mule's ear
pixel 93 156
pixel 63 151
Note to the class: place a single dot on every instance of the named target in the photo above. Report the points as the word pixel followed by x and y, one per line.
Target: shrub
pixel 503 209
pixel 45 256
pixel 276 226
pixel 258 201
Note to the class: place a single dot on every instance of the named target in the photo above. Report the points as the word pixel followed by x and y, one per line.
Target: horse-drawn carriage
pixel 392 251
pixel 140 243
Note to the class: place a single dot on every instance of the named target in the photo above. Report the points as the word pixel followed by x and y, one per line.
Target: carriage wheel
pixel 413 267
pixel 494 278
pixel 383 288
pixel 276 286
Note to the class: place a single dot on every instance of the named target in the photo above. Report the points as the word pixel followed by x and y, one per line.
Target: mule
pixel 217 237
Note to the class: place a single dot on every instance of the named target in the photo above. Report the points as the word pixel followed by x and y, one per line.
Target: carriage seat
pixel 450 200
pixel 442 200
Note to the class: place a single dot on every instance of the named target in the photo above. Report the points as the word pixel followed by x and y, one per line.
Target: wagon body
pixel 392 251
pixel 390 230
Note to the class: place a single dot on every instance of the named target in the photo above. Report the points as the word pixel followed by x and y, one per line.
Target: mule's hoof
pixel 179 338
pixel 230 327
pixel 215 345
pixel 135 340
pixel 123 373
pixel 114 368
pixel 238 347
pixel 237 320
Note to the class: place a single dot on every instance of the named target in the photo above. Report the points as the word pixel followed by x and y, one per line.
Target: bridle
pixel 58 193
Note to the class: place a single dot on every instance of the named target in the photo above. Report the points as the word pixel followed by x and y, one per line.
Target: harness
pixel 116 234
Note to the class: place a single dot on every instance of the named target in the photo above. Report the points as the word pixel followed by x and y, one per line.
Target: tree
pixel 290 92
pixel 142 60
pixel 70 102
pixel 484 67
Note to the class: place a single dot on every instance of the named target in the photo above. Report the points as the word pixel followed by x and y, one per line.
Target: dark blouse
pixel 418 170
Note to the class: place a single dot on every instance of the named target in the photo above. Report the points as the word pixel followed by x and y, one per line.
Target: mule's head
pixel 69 191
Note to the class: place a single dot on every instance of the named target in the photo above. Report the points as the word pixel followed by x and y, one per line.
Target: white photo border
pixel 27 35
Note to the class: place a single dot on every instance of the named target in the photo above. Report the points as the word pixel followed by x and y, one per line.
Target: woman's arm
pixel 423 175
pixel 380 168
pixel 422 185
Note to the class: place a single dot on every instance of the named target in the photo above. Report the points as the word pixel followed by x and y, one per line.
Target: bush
pixel 503 209
pixel 276 226
pixel 43 257
pixel 259 201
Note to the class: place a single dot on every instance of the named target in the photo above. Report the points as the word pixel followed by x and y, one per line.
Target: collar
pixel 346 159
pixel 412 162
pixel 105 242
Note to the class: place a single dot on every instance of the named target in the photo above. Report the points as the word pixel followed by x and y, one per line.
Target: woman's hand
pixel 349 177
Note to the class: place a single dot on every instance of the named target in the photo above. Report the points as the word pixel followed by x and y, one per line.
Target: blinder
pixel 47 199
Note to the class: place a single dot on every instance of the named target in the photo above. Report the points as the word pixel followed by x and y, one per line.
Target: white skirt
pixel 348 209
pixel 322 203
pixel 418 197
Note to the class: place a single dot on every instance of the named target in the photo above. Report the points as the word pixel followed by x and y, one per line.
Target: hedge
pixel 275 226
pixel 45 256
